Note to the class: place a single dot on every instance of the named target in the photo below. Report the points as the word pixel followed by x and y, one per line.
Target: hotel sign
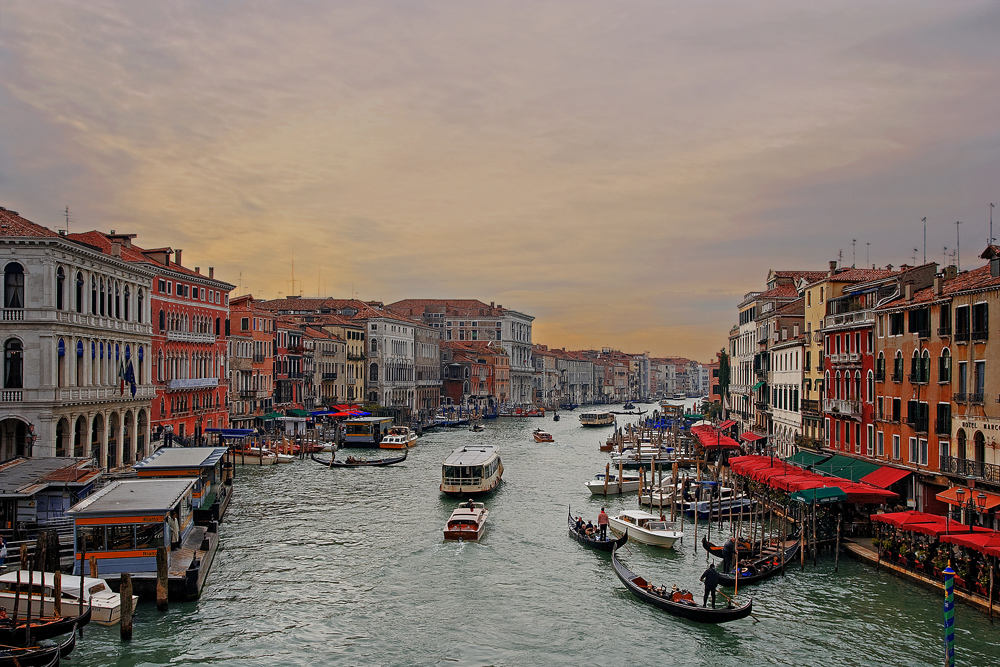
pixel 973 424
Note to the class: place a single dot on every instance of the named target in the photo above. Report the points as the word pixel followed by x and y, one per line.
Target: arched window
pixel 373 373
pixel 944 366
pixel 839 391
pixel 13 364
pixel 925 366
pixel 79 292
pixel 127 295
pixel 139 310
pixel 870 394
pixel 960 436
pixel 118 301
pixel 857 385
pixel 163 320
pixel 829 387
pixel 979 449
pixel 102 296
pixel 60 288
pixel 897 368
pixel 13 286
pixel 880 367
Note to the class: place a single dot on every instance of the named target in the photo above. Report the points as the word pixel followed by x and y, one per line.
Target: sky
pixel 624 171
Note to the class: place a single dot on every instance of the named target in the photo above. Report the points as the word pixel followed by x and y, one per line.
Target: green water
pixel 348 567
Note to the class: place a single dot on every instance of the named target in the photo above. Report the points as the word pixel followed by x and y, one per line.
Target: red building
pixel 189 313
pixel 252 373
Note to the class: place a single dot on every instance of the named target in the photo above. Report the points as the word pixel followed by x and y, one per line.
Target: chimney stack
pixel 211 272
pixel 938 280
pixel 833 267
pixel 116 249
pixel 908 291
pixel 197 270
pixel 950 272
pixel 177 256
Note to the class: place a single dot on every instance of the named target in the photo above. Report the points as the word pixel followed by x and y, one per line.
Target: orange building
pixel 252 375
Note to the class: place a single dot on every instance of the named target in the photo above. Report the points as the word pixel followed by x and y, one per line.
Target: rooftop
pixel 135 496
pixel 182 457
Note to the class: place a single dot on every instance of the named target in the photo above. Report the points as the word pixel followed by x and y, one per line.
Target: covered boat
pixel 611 484
pixel 471 470
pixel 398 437
pixel 467 522
pixel 646 528
pixel 351 462
pixel 542 436
pixel 597 418
pixel 676 602
pixel 594 541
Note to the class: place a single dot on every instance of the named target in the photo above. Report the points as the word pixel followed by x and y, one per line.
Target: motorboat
pixel 471 470
pixel 597 418
pixel 610 484
pixel 467 522
pixel 398 437
pixel 542 436
pixel 646 528
pixel 720 508
pixel 255 456
pixel 96 592
pixel 477 427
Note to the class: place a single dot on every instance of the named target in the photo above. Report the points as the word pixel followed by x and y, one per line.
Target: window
pixel 942 423
pixel 911 451
pixel 944 366
pixel 373 373
pixel 963 378
pixel 897 406
pixel 90 538
pixel 93 295
pixel 139 308
pixel 162 286
pixel 13 286
pixel 920 322
pixel 880 367
pixel 13 364
pixel 245 324
pixel 962 323
pixel 897 367
pixel 980 380
pixel 857 438
pixel 880 444
pixel 896 324
pixel 60 287
pixel 870 441
pixel 870 388
pixel 79 292
pixel 980 321
pixel 163 320
pixel 895 447
pixel 128 296
pixel 944 320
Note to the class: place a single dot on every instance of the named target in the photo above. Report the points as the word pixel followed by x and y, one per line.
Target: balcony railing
pixel 983 334
pixel 854 317
pixel 943 427
pixel 190 337
pixel 880 376
pixel 944 331
pixel 355 357
pixel 923 333
pixel 842 406
pixel 11 396
pixel 193 383
pixel 810 406
pixel 976 399
pixel 962 336
pixel 13 314
pixel 897 376
pixel 329 376
pixel 989 472
pixel 917 378
pixel 920 425
pixel 960 397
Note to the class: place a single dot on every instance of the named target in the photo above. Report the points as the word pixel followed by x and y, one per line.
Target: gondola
pixel 684 608
pixel 760 568
pixel 360 463
pixel 46 628
pixel 37 656
pixel 594 542
pixel 746 550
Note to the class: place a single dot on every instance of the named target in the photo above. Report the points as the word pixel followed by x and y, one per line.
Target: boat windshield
pixel 656 525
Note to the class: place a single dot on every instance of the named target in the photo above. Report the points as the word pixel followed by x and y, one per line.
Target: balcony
pixel 761 406
pixel 247 394
pixel 851 318
pixel 89 394
pixel 920 425
pixel 976 399
pixel 192 383
pixel 943 427
pixel 988 472
pixel 842 407
pixel 961 336
pixel 329 376
pixel 295 375
pixel 834 358
pixel 917 378
pixel 923 333
pixel 897 376
pixel 944 332
pixel 296 349
pixel 983 334
pixel 11 396
pixel 880 376
pixel 355 357
pixel 190 337
pixel 240 363
pixel 960 397
pixel 13 314
pixel 352 381
pixel 810 406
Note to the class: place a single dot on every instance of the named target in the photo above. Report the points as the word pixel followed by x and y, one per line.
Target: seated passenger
pixel 590 528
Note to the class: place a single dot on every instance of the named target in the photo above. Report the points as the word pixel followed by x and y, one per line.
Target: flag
pixel 121 376
pixel 130 378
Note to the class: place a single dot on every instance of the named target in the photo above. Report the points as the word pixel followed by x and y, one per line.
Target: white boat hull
pixel 105 612
pixel 665 539
pixel 598 488
pixel 255 459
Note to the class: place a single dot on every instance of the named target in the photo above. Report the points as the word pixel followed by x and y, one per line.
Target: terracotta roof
pixel 779 292
pixel 853 275
pixel 296 303
pixel 12 224
pixel 969 280
pixel 808 275
pixel 991 252
pixel 796 307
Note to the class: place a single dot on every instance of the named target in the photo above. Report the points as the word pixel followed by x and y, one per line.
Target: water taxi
pixel 646 528
pixel 597 418
pixel 471 470
pixel 398 437
pixel 468 522
pixel 542 436
pixel 96 593
pixel 610 484
pixel 255 456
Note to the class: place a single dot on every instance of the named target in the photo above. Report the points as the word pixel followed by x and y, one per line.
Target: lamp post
pixel 960 494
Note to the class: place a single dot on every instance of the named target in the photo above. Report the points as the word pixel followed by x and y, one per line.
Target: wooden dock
pixel 187 568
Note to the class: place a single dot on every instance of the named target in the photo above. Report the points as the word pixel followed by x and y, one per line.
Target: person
pixel 602 522
pixel 711 579
pixel 579 524
pixel 728 551
pixel 3 551
pixel 175 531
pixel 589 530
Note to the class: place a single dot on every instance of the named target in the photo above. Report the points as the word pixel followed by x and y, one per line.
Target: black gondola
pixel 760 568
pixel 661 598
pixel 359 463
pixel 594 542
pixel 746 550
pixel 40 628
pixel 37 656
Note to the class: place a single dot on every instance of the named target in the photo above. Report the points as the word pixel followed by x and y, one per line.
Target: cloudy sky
pixel 622 170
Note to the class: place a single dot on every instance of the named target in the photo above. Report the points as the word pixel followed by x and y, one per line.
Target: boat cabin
pixel 471 470
pixel 365 431
pixel 212 481
pixel 123 524
pixel 597 418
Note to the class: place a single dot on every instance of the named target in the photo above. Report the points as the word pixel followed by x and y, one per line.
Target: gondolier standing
pixel 711 579
pixel 602 523
pixel 728 551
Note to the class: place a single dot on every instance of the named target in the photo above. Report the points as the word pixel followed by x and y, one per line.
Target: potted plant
pixel 983 585
pixel 940 563
pixel 961 573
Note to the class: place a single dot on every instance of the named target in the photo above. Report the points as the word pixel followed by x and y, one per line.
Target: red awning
pixel 750 436
pixel 951 496
pixel 978 541
pixel 726 424
pixel 885 476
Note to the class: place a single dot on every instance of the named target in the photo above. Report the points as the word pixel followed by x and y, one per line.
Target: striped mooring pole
pixel 949 617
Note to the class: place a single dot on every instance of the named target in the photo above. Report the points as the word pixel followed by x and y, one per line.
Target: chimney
pixel 833 267
pixel 938 280
pixel 177 256
pixel 211 272
pixel 950 272
pixel 995 267
pixel 908 291
pixel 116 249
pixel 197 270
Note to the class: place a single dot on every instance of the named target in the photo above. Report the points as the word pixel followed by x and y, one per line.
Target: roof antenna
pixel 868 246
pixel 854 242
pixel 990 242
pixel 925 238
pixel 69 220
pixel 915 251
pixel 958 247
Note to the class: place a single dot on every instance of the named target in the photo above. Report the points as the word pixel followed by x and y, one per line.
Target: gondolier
pixel 602 523
pixel 728 551
pixel 711 579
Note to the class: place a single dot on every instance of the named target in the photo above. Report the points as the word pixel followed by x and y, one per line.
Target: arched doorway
pixel 114 425
pixel 128 449
pixel 97 438
pixel 979 450
pixel 62 437
pixel 79 437
pixel 960 436
pixel 13 438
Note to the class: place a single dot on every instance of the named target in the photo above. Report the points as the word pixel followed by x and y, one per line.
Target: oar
pixel 735 605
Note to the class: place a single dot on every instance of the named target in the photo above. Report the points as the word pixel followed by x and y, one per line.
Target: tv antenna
pixel 854 243
pixel 958 247
pixel 69 219
pixel 868 246
pixel 925 238
pixel 990 242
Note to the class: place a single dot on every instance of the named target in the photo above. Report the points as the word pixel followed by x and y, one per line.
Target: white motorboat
pixel 646 528
pixel 609 484
pixel 106 603
pixel 255 456
pixel 467 522
pixel 398 437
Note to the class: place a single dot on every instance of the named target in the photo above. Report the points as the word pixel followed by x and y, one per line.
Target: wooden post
pixel 56 593
pixel 815 536
pixel 695 504
pixel 17 593
pixel 784 533
pixel 836 556
pixel 673 495
pixel 93 567
pixel 125 595
pixel 802 540
pixel 992 567
pixel 607 472
pixel 83 589
pixel 161 578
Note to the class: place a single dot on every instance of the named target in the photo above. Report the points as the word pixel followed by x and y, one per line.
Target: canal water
pixel 348 567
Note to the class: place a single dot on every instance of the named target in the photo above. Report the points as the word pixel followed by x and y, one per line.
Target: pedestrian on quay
pixel 602 522
pixel 711 579
pixel 3 551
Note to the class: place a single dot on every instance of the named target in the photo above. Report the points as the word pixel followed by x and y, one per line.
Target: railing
pixel 247 394
pixel 77 394
pixel 880 376
pixel 976 399
pixel 11 396
pixel 193 383
pixel 943 427
pixel 920 425
pixel 329 376
pixel 809 405
pixel 923 333
pixel 13 314
pixel 983 334
pixel 897 377
pixel 352 381
pixel 103 322
pixel 849 318
pixel 355 357
pixel 960 397
pixel 962 336
pixel 295 375
pixel 989 472
pixel 917 378
pixel 854 356
pixel 296 349
pixel 842 406
pixel 190 337
pixel 834 358
pixel 944 331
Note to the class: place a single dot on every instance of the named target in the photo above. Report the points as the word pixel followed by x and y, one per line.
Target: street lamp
pixel 960 494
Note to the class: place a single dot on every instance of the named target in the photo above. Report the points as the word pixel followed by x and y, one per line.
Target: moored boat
pixel 594 541
pixel 597 418
pixel 676 602
pixel 255 456
pixel 764 566
pixel 105 603
pixel 542 436
pixel 352 462
pixel 398 437
pixel 467 522
pixel 646 528
pixel 38 656
pixel 720 508
pixel 745 548
pixel 39 628
pixel 610 484
pixel 471 470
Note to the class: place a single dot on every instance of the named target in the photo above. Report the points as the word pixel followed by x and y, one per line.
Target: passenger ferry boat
pixel 468 522
pixel 399 437
pixel 366 431
pixel 597 418
pixel 471 470
pixel 97 594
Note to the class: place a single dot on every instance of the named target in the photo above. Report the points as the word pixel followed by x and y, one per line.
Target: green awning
pixel 846 467
pixel 805 459
pixel 820 496
pixel 299 413
pixel 690 416
pixel 272 415
pixel 757 386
